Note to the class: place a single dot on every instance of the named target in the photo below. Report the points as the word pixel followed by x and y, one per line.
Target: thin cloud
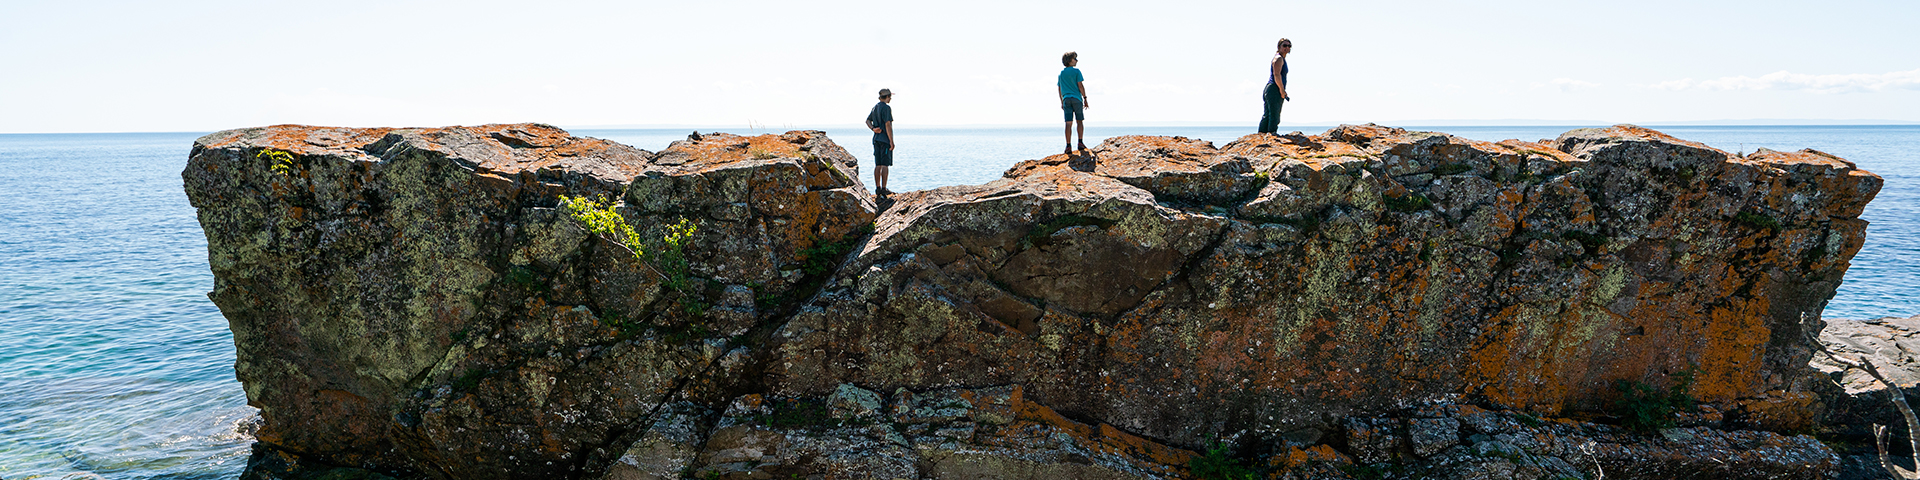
pixel 1566 84
pixel 1784 80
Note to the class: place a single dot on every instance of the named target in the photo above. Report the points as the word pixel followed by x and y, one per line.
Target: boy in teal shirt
pixel 1073 98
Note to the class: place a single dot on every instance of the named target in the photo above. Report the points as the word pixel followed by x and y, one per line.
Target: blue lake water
pixel 113 363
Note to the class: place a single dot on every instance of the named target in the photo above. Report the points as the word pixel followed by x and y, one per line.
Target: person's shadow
pixel 1082 161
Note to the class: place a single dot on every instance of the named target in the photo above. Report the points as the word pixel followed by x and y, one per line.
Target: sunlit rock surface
pixel 411 302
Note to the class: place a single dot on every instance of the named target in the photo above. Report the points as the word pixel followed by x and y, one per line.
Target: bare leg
pixel 1083 134
pixel 1069 136
pixel 880 176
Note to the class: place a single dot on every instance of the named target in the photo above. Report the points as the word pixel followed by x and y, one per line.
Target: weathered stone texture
pixel 410 301
pixel 1344 273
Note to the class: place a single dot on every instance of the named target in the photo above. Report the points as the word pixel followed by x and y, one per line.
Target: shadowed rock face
pixel 1281 283
pixel 410 300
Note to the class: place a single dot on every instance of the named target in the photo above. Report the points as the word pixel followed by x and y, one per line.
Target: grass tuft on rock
pixel 1646 408
pixel 471 379
pixel 1216 465
pixel 1757 221
pixel 1407 204
pixel 1452 169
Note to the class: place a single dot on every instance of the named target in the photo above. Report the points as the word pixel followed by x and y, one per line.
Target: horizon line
pixel 1393 123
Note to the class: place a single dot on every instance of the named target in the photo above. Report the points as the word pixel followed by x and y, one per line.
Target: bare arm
pixel 890 143
pixel 1083 95
pixel 1278 80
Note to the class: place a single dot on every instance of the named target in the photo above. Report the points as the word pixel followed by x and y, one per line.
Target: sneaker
pixel 1083 146
pixel 884 192
pixel 1069 150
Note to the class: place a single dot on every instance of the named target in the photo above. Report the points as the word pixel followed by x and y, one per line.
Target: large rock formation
pixel 410 301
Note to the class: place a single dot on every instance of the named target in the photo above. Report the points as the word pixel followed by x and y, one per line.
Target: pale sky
pixel 102 66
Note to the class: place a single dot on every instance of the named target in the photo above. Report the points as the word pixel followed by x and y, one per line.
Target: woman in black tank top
pixel 1276 93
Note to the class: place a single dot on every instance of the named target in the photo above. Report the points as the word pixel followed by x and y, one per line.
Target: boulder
pixel 415 303
pixel 413 299
pixel 1353 272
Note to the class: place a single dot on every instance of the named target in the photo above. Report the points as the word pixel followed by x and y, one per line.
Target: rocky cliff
pixel 413 302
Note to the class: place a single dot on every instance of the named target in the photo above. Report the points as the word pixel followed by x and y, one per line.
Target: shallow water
pixel 114 363
pixel 112 360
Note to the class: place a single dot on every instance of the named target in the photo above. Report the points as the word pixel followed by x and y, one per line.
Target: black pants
pixel 1270 122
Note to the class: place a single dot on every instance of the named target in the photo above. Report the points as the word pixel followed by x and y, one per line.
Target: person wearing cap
pixel 1073 98
pixel 880 120
pixel 1275 95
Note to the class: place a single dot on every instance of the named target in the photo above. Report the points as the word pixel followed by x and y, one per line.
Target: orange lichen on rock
pixel 719 150
pixel 1340 272
pixel 1155 294
pixel 1296 457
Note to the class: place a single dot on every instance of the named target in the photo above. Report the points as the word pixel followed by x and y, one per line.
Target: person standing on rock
pixel 1073 98
pixel 1276 93
pixel 880 120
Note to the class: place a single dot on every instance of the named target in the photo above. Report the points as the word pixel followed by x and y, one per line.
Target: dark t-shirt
pixel 882 113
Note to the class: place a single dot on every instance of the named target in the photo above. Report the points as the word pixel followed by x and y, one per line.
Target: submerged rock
pixel 410 301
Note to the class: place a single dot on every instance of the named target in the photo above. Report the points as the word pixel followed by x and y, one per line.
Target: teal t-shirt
pixel 1070 83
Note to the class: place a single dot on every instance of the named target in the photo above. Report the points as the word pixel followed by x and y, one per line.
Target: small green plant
pixel 767 300
pixel 1371 472
pixel 795 413
pixel 682 334
pixel 467 381
pixel 1686 174
pixel 598 217
pixel 1216 465
pixel 759 154
pixel 281 160
pixel 1646 408
pixel 1758 221
pixel 624 325
pixel 1451 169
pixel 524 277
pixel 1408 203
pixel 822 257
pixel 1527 419
pixel 668 257
pixel 817 263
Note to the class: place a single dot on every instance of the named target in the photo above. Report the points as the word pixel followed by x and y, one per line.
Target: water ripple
pixel 114 365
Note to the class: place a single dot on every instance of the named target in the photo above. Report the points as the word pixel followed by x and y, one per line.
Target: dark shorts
pixel 1073 109
pixel 882 154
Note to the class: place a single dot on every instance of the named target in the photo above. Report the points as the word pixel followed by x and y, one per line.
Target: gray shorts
pixel 1073 109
